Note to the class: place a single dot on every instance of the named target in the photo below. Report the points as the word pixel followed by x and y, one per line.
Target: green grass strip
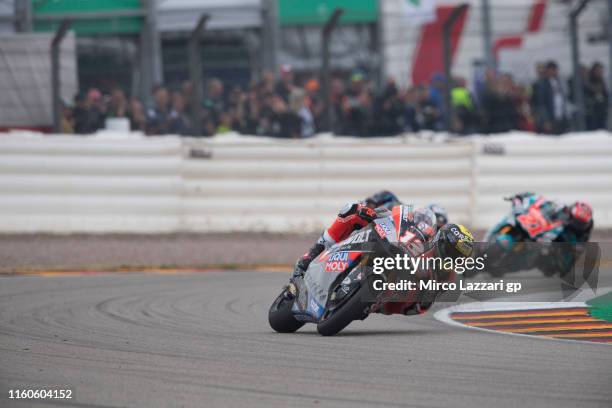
pixel 601 307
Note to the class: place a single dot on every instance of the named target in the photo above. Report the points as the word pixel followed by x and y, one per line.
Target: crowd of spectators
pixel 285 107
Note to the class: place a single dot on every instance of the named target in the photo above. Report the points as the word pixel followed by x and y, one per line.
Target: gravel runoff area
pixel 42 252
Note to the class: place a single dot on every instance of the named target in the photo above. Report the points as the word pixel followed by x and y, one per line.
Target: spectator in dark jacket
pixel 428 113
pixel 499 107
pixel 286 84
pixel 88 114
pixel 138 116
pixel 180 123
pixel 596 99
pixel 357 107
pixel 158 117
pixel 389 110
pixel 409 116
pixel 551 105
pixel 118 105
pixel 284 122
pixel 214 105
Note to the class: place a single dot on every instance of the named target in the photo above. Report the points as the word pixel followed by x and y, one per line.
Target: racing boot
pixel 302 264
pixel 351 217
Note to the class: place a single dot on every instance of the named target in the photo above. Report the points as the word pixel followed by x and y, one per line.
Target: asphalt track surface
pixel 202 340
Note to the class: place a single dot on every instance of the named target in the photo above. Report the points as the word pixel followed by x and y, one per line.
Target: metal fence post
pixel 325 70
pixel 56 101
pixel 23 16
pixel 489 58
pixel 577 74
pixel 151 69
pixel 195 74
pixel 447 58
pixel 380 43
pixel 270 35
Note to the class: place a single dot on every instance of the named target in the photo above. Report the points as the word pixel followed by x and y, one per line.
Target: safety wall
pixel 301 185
pixel 65 184
pixel 131 183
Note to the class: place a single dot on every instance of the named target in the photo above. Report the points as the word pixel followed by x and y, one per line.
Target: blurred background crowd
pixel 291 105
pixel 293 68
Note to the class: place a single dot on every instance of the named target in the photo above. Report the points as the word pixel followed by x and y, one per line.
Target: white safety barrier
pixel 301 185
pixel 65 184
pixel 131 183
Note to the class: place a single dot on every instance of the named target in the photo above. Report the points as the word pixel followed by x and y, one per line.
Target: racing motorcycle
pixel 528 237
pixel 337 289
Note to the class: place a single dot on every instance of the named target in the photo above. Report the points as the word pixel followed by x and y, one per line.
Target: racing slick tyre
pixel 353 309
pixel 280 317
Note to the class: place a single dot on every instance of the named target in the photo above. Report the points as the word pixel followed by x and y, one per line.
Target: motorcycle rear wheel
pixel 281 317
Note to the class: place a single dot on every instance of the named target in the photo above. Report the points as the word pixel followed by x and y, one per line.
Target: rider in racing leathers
pixel 577 225
pixel 389 200
pixel 577 217
pixel 355 216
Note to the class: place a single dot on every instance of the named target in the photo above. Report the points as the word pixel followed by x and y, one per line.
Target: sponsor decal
pixel 381 231
pixel 407 236
pixel 339 261
pixel 465 237
pixel 458 234
pixel 358 238
pixel 314 307
pixel 466 232
pixel 336 266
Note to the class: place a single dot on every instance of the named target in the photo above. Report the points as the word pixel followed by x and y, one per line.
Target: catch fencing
pixel 132 183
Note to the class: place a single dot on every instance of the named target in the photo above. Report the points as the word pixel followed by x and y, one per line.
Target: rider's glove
pixel 367 214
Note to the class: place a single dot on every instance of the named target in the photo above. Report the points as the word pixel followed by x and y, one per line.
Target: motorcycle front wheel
pixel 280 317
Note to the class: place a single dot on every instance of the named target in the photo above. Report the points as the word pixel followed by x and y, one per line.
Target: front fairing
pixel 519 206
pixel 509 219
pixel 327 269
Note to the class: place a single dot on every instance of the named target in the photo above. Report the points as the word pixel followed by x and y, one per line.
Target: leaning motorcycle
pixel 528 237
pixel 336 289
